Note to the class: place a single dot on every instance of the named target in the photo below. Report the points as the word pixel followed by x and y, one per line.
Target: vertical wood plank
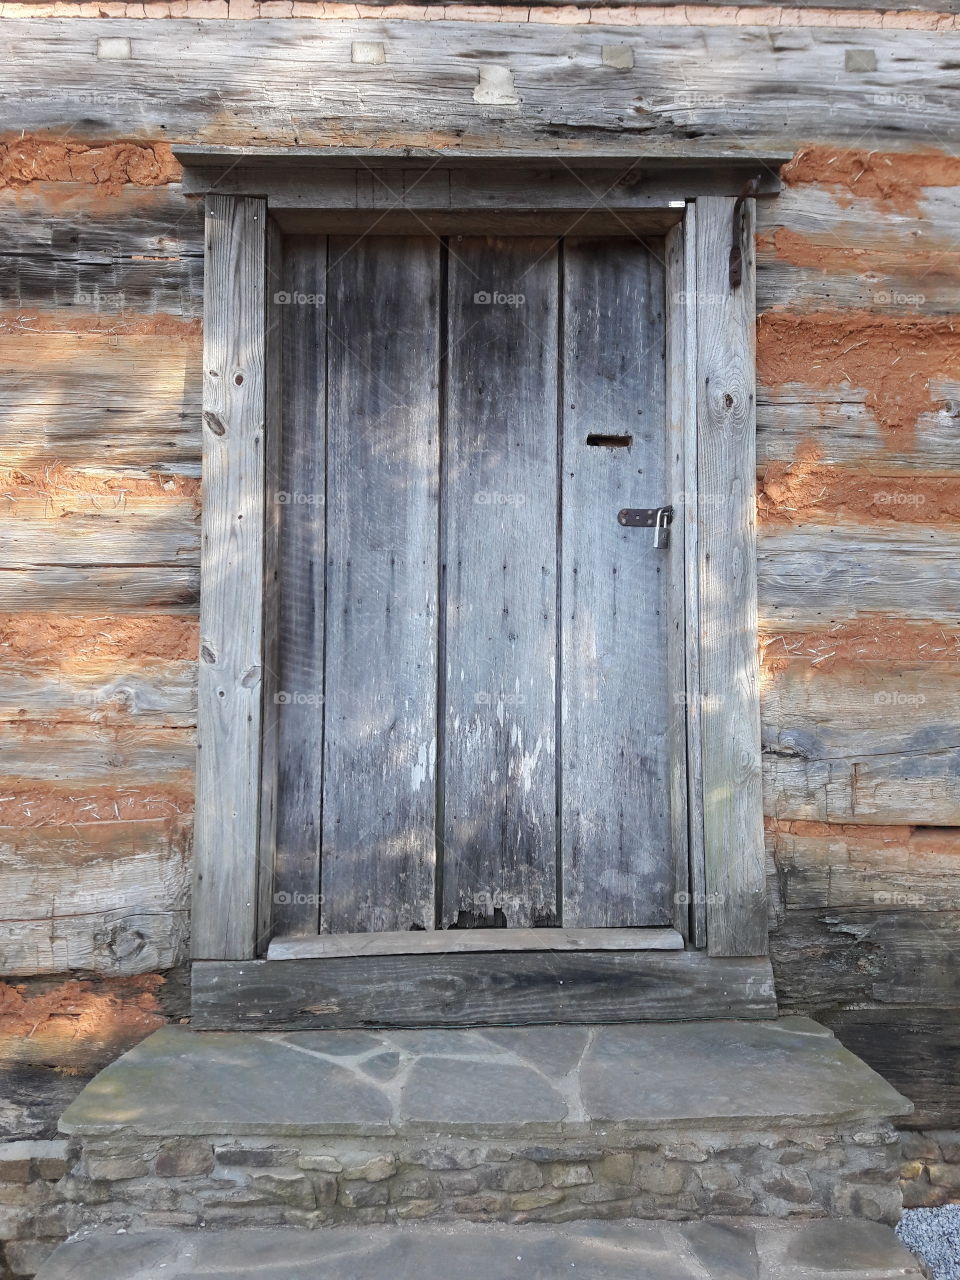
pixel 379 796
pixel 297 706
pixel 231 607
pixel 273 445
pixel 678 404
pixel 618 865
pixel 730 706
pixel 500 538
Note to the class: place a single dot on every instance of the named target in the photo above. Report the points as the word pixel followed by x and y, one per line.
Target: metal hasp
pixel 658 518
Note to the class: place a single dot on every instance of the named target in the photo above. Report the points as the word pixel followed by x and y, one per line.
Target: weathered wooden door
pixel 473 706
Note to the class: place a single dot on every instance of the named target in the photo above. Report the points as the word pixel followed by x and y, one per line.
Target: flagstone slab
pixel 550 1080
pixel 600 1251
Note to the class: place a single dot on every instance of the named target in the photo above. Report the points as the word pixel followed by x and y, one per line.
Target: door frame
pixel 706 213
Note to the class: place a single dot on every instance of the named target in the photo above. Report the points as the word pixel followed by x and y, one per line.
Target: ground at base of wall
pixel 933 1235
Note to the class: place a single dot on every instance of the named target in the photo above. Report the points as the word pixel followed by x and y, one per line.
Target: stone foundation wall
pixel 931 1168
pixel 34 1215
pixel 131 1181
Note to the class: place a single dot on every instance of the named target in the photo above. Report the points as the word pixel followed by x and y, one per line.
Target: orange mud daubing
pixel 77 1025
pixel 109 166
pixel 889 178
pixel 49 638
pixel 807 489
pixel 891 358
pixel 864 640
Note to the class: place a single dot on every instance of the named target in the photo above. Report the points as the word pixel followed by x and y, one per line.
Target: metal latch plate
pixel 645 517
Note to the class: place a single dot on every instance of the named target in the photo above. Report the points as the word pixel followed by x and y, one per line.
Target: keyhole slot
pixel 598 441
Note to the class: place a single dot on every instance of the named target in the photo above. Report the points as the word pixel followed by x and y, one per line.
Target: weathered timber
pixel 729 701
pixel 95 754
pixel 273 487
pixel 902 956
pixel 519 988
pixel 897 788
pixel 915 1048
pixel 231 623
pixel 816 253
pixel 72 222
pixel 100 529
pixel 381 599
pixel 107 898
pixel 616 833
pixel 846 433
pixel 683 627
pixel 819 573
pixel 563 97
pixel 442 942
pixel 465 185
pixel 101 399
pixel 101 589
pixel 155 691
pixel 499 540
pixel 876 707
pixel 298 631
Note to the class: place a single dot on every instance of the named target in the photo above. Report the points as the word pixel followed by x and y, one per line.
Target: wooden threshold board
pixel 419 942
pixel 469 989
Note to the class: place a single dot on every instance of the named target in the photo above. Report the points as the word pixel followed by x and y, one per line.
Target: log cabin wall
pixel 858 485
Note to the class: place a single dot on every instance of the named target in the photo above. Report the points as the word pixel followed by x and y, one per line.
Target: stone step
pixel 680 1120
pixel 745 1250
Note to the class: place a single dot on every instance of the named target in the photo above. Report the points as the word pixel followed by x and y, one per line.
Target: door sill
pixel 421 942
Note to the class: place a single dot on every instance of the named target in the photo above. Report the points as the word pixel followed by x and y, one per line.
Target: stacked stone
pixel 34 1214
pixel 931 1168
pixel 126 1180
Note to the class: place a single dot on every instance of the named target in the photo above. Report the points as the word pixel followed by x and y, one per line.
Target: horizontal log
pixel 109 530
pixel 558 92
pixel 112 400
pixel 845 432
pixel 900 788
pixel 818 252
pixel 71 222
pixel 100 529
pixel 82 589
pixel 101 690
pixel 814 574
pixel 916 1049
pixel 854 867
pixel 496 988
pixel 107 898
pixel 868 708
pixel 47 752
pixel 826 958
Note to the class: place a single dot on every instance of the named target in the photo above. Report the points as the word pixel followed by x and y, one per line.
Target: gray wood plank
pixel 453 941
pixel 730 703
pixel 298 705
pixel 231 624
pixel 500 503
pixel 494 989
pixel 273 452
pixel 379 786
pixel 682 390
pixel 615 776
